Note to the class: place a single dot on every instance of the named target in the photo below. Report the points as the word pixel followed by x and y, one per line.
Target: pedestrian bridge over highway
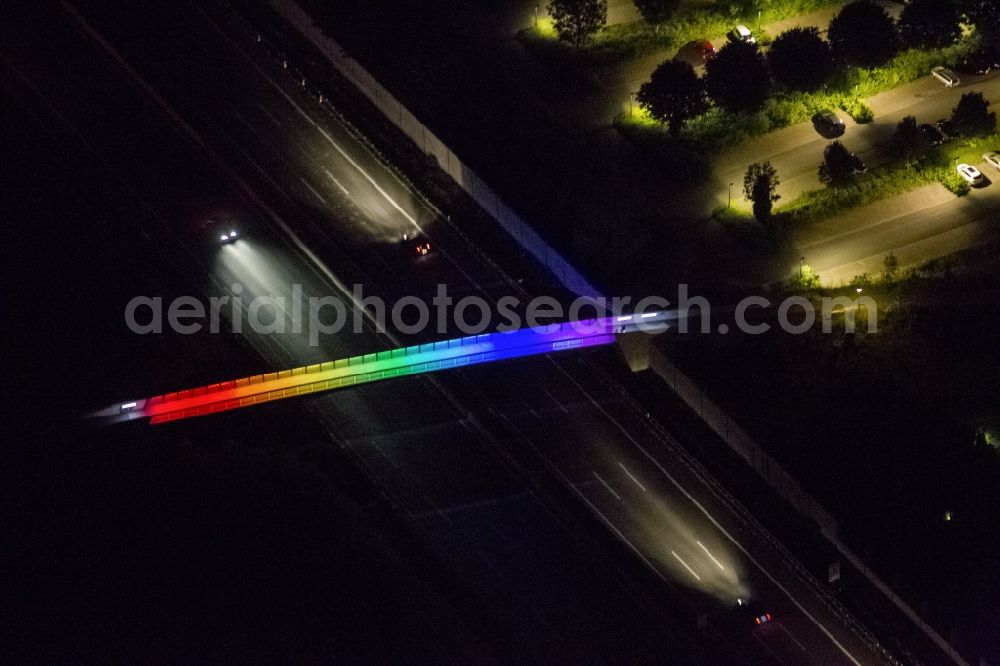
pixel 401 362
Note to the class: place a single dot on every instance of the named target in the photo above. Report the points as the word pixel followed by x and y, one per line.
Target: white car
pixel 741 33
pixel 970 173
pixel 945 76
pixel 993 159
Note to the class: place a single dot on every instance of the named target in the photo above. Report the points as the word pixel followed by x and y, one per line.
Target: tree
pixel 737 78
pixel 759 185
pixel 839 164
pixel 907 142
pixel 985 15
pixel 891 264
pixel 800 59
pixel 972 116
pixel 806 277
pixel 673 95
pixel 575 20
pixel 863 34
pixel 656 12
pixel 930 23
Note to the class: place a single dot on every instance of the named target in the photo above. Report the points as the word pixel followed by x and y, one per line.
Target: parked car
pixel 741 33
pixel 697 52
pixel 945 76
pixel 828 124
pixel 993 159
pixel 932 135
pixel 947 128
pixel 971 174
pixel 859 165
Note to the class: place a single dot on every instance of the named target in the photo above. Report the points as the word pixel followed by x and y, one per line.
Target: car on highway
pixel 828 124
pixel 979 62
pixel 697 52
pixel 971 174
pixel 993 159
pixel 227 236
pixel 753 612
pixel 416 245
pixel 945 76
pixel 932 135
pixel 741 33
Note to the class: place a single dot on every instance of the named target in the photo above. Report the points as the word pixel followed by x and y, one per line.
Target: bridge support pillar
pixel 634 349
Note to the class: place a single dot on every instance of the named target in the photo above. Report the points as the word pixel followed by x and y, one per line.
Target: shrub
pixel 858 110
pixel 956 184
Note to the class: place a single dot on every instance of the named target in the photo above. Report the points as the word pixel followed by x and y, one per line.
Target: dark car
pixel 227 235
pixel 828 124
pixel 696 53
pixel 222 232
pixel 947 129
pixel 859 165
pixel 932 135
pixel 415 245
pixel 982 61
pixel 753 612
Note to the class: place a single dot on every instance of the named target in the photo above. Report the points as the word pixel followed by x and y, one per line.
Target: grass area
pixel 628 40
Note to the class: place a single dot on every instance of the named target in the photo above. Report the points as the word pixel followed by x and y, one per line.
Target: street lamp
pixel 730 203
pixel 858 306
pixel 631 96
pixel 801 259
pixel 536 16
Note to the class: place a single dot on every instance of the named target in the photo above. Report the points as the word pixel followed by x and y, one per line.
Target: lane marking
pixel 717 563
pixel 336 182
pixel 819 625
pixel 605 484
pixel 384 455
pixel 267 113
pixel 618 533
pixel 313 190
pixel 625 469
pixel 690 570
pixel 437 509
pixel 785 629
pixel 561 406
pixel 767 647
pixel 244 121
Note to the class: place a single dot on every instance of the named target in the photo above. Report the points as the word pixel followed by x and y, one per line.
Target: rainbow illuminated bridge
pixel 401 362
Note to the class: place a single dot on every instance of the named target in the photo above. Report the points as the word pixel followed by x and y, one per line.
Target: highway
pixel 195 121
